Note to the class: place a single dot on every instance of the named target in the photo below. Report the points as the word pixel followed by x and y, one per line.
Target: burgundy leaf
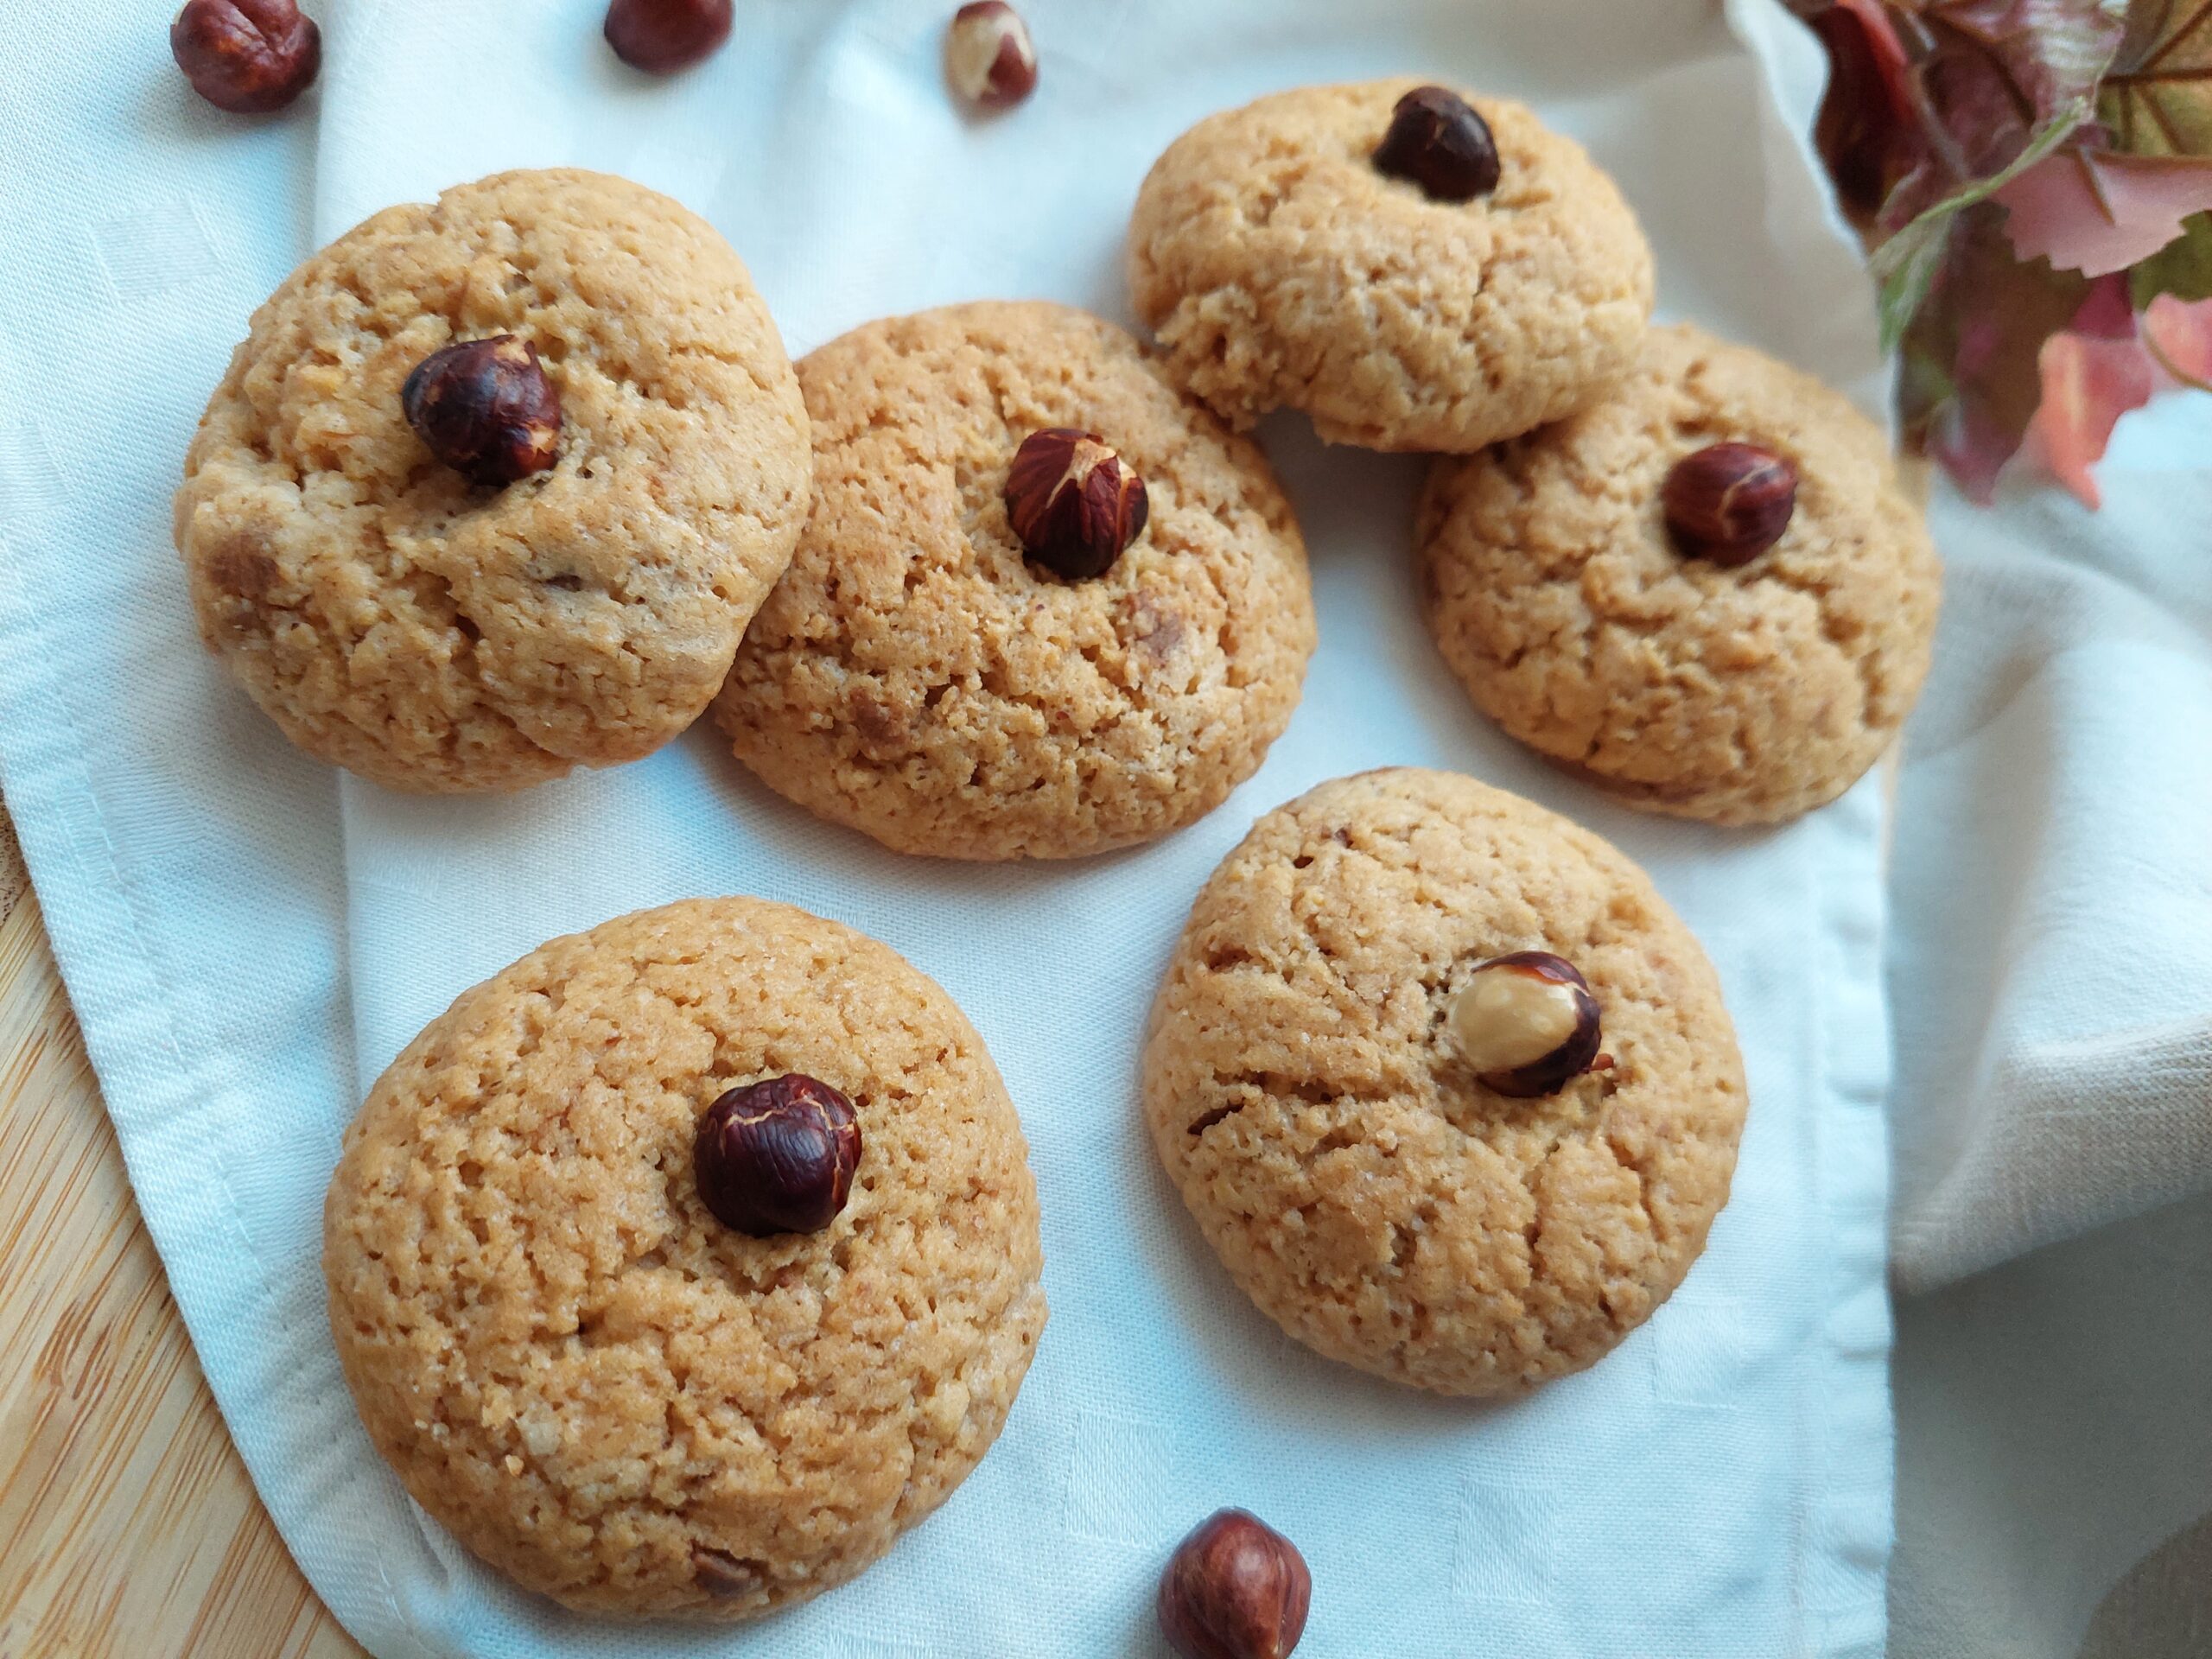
pixel 1971 381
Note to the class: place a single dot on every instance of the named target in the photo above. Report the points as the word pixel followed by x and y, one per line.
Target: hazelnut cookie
pixel 610 1394
pixel 399 609
pixel 1708 594
pixel 1413 267
pixel 1045 605
pixel 1445 1082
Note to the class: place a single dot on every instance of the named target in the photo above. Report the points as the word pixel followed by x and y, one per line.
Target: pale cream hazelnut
pixel 987 55
pixel 1526 1023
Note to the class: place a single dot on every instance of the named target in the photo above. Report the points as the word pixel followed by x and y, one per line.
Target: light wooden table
pixel 127 1525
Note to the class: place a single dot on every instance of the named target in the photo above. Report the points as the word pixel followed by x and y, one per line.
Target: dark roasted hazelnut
pixel 1438 141
pixel 247 56
pixel 1527 1023
pixel 1074 503
pixel 662 36
pixel 778 1156
pixel 1235 1589
pixel 987 55
pixel 1729 502
pixel 485 408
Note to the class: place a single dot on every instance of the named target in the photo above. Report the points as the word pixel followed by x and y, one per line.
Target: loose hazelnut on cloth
pixel 247 56
pixel 485 408
pixel 1729 502
pixel 1527 1023
pixel 1438 141
pixel 1235 1589
pixel 988 57
pixel 778 1156
pixel 1073 501
pixel 662 36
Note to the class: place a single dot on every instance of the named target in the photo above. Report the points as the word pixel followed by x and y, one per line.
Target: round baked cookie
pixel 914 675
pixel 1744 695
pixel 1279 268
pixel 1376 1201
pixel 438 635
pixel 588 1380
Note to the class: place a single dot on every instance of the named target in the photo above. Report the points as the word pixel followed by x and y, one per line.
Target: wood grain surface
pixel 128 1529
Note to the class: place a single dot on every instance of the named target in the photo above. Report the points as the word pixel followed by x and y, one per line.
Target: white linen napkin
pixel 249 941
pixel 2055 994
pixel 2051 968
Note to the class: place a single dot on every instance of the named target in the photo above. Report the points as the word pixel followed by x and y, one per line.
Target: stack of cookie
pixel 680 1267
pixel 1674 566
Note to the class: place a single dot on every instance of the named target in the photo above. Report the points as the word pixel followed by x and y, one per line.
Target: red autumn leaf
pixel 2096 213
pixel 2088 383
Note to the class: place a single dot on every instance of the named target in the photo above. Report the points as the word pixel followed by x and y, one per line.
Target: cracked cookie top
pixel 1376 1201
pixel 1279 267
pixel 593 1383
pixel 915 676
pixel 439 636
pixel 1739 696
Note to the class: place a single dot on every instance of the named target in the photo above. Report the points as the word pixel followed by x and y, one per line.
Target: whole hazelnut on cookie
pixel 778 1156
pixel 1074 502
pixel 1438 141
pixel 246 56
pixel 1730 502
pixel 1235 1589
pixel 1527 1023
pixel 485 408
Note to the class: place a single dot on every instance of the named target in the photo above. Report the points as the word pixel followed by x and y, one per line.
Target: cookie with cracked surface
pixel 1740 695
pixel 914 675
pixel 1279 267
pixel 1378 1202
pixel 588 1380
pixel 440 636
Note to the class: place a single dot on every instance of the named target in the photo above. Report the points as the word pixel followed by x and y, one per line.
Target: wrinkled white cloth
pixel 248 940
pixel 2051 971
pixel 2054 992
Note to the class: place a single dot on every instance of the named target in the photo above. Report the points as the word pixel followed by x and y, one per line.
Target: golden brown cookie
pixel 438 635
pixel 915 676
pixel 1743 694
pixel 592 1382
pixel 1281 268
pixel 1309 1099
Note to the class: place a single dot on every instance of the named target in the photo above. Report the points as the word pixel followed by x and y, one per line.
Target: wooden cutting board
pixel 127 1527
